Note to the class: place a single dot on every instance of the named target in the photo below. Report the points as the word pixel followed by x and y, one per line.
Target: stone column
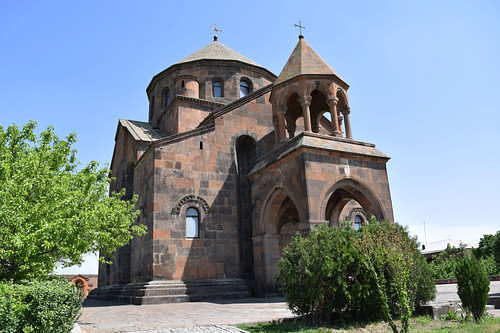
pixel 345 111
pixel 305 101
pixel 340 118
pixel 281 111
pixel 332 104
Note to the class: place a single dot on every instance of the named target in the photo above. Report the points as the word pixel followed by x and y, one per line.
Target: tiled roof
pixel 141 131
pixel 217 51
pixel 304 60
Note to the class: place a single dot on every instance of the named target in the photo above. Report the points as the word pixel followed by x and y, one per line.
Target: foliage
pixel 485 247
pixel 39 306
pixel 49 211
pixel 421 324
pixel 425 289
pixel 450 315
pixel 485 253
pixel 397 267
pixel 443 265
pixel 473 287
pixel 496 250
pixel 322 274
pixel 329 274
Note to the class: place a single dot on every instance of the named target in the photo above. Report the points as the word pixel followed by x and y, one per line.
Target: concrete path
pixel 216 317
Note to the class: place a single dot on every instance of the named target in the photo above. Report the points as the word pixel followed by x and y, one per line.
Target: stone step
pixel 156 292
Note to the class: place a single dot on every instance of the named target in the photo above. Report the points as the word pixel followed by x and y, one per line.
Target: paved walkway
pixel 216 316
pixel 183 317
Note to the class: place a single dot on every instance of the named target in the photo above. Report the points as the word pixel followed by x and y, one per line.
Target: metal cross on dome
pixel 300 26
pixel 216 30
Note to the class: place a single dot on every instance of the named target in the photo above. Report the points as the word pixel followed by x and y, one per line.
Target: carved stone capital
pixel 332 100
pixel 346 109
pixel 281 109
pixel 305 100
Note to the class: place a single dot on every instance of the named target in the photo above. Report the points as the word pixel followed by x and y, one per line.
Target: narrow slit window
pixel 166 98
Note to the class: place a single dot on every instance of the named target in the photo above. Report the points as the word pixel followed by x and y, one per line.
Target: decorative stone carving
pixel 190 198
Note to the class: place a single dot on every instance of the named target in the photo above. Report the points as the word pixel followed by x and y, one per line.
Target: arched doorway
pixel 279 222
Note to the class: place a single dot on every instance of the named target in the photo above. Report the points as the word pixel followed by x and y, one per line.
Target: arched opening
pixel 349 199
pixel 192 223
pixel 317 108
pixel 288 222
pixel 245 87
pixel 293 112
pixel 279 221
pixel 342 114
pixel 166 97
pixel 353 214
pixel 246 155
pixel 218 90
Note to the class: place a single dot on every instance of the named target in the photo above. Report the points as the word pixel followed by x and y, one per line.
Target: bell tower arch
pixel 309 89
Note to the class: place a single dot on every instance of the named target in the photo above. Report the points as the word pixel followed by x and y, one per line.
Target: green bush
pixel 473 287
pixel 322 274
pixel 39 306
pixel 403 281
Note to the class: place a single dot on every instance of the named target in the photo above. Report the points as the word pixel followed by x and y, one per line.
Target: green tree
pixel 50 212
pixel 496 249
pixel 473 287
pixel 485 247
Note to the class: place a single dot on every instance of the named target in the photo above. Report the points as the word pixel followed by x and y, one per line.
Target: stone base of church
pixel 158 292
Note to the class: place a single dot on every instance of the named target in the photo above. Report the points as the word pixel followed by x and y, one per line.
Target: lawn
pixel 421 324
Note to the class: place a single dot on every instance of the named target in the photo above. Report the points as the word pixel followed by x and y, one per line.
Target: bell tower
pixel 306 90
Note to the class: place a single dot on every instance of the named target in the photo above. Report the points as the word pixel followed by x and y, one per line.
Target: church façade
pixel 231 163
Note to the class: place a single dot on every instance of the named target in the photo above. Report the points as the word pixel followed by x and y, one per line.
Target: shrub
pixel 473 287
pixel 322 274
pixel 402 279
pixel 325 276
pixel 39 306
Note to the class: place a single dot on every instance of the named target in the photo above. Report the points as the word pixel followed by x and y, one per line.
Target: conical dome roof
pixel 304 60
pixel 218 51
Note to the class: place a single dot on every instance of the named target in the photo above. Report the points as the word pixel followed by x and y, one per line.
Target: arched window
pixel 244 88
pixel 358 222
pixel 166 97
pixel 217 86
pixel 192 223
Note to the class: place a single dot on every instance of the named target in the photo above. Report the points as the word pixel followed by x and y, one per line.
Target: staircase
pixel 158 292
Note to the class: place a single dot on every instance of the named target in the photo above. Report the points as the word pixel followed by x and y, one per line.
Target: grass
pixel 420 324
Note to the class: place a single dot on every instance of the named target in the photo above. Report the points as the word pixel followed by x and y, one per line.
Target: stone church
pixel 231 163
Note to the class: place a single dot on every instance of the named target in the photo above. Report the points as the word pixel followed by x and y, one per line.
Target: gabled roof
pixel 141 131
pixel 218 51
pixel 304 60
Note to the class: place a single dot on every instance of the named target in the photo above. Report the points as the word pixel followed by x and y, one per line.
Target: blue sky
pixel 424 82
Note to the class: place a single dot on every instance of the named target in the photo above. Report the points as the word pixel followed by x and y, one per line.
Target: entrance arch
pixel 279 222
pixel 343 192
